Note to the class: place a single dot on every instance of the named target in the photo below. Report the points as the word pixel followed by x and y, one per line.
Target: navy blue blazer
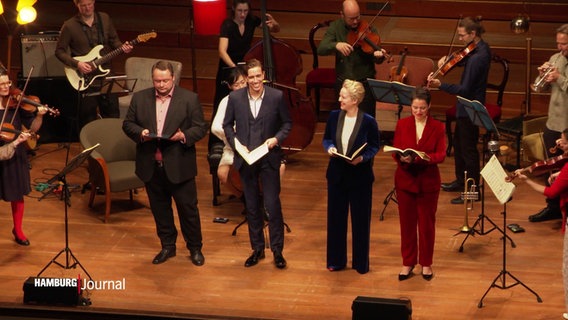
pixel 365 130
pixel 273 116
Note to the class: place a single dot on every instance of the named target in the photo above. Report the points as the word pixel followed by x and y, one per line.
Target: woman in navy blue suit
pixel 350 182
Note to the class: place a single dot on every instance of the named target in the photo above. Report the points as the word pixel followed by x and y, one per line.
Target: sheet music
pixel 494 174
pixel 252 156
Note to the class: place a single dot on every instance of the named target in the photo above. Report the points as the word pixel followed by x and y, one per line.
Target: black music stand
pixel 480 117
pixel 395 93
pixel 503 191
pixel 72 165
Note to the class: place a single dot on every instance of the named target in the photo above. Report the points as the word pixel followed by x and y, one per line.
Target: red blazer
pixel 421 175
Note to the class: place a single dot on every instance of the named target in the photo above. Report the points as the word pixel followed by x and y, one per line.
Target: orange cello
pixel 282 64
pixel 399 73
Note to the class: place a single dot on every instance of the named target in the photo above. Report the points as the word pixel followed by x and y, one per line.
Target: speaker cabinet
pixel 38 51
pixel 368 308
pixel 51 291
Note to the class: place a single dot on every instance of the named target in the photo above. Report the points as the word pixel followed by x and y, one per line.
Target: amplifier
pixel 52 291
pixel 368 308
pixel 38 51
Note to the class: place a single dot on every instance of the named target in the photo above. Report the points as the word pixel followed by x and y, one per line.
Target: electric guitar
pixel 81 81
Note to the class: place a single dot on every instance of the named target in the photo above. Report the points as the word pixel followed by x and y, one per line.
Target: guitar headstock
pixel 146 36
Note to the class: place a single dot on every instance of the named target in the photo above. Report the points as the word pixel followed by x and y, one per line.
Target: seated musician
pixel 558 189
pixel 234 81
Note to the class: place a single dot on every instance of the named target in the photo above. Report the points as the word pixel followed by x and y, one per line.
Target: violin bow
pixel 362 34
pixel 450 50
pixel 22 94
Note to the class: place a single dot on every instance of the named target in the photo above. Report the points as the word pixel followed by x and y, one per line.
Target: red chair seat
pixel 321 77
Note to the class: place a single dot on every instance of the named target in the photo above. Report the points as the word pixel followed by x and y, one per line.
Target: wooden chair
pixel 318 78
pixel 499 66
pixel 140 69
pixel 111 166
pixel 418 70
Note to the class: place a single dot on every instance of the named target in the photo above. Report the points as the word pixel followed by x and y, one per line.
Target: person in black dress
pixel 235 39
pixel 15 172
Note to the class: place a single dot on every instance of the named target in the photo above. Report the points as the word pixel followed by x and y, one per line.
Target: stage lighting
pixel 26 15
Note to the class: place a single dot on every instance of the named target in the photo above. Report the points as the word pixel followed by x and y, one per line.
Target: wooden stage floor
pixel 224 288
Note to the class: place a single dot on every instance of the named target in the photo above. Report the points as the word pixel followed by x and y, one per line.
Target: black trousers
pixel 252 177
pixel 160 193
pixel 466 155
pixel 107 105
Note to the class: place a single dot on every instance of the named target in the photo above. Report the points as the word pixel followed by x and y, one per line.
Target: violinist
pixel 558 189
pixel 15 172
pixel 354 61
pixel 472 86
pixel 557 80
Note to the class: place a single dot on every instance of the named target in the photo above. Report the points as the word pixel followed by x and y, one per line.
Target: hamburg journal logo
pixel 80 284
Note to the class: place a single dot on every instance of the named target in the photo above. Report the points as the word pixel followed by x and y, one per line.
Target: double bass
pixel 282 64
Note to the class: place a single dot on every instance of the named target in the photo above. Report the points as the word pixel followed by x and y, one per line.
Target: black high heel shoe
pixel 428 277
pixel 402 277
pixel 24 242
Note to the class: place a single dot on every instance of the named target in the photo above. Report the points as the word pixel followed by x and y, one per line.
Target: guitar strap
pixel 100 29
pixel 100 32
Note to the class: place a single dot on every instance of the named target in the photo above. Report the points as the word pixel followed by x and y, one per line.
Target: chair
pixel 318 78
pixel 532 141
pixel 141 69
pixel 418 70
pixel 111 166
pixel 493 109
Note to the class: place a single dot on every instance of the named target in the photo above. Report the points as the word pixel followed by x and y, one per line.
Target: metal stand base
pixel 390 197
pixel 481 223
pixel 502 276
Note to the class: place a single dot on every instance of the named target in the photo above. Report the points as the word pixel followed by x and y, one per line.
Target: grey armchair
pixel 111 166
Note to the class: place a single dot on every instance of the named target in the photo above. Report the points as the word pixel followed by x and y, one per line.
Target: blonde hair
pixel 355 89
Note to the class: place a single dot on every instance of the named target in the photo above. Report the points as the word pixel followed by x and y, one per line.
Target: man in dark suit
pixel 258 115
pixel 166 121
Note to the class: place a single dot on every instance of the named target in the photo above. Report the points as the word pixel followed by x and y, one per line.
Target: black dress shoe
pixel 452 186
pixel 164 255
pixel 335 268
pixel 402 277
pixel 545 214
pixel 197 257
pixel 22 242
pixel 459 200
pixel 279 260
pixel 254 257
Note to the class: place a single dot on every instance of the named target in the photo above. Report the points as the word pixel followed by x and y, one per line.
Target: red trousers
pixel 417 213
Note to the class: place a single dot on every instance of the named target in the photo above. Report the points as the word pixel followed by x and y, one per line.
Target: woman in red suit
pixel 417 184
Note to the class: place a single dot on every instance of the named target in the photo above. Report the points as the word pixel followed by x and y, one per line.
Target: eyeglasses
pixel 164 81
pixel 5 84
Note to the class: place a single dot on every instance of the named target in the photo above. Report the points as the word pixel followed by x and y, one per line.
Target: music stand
pixel 72 165
pixel 395 93
pixel 480 117
pixel 494 175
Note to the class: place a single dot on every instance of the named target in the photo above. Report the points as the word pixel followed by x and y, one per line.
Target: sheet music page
pixel 252 156
pixel 494 174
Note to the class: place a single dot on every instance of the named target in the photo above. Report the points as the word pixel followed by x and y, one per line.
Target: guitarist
pixel 79 35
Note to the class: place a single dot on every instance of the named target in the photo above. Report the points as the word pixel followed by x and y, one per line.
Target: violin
pixel 9 133
pixel 367 40
pixel 540 167
pixel 453 59
pixel 27 103
pixel 399 73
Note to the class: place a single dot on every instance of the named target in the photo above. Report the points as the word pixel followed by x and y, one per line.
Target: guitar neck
pixel 107 57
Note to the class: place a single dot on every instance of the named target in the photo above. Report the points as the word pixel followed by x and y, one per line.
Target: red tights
pixel 18 217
